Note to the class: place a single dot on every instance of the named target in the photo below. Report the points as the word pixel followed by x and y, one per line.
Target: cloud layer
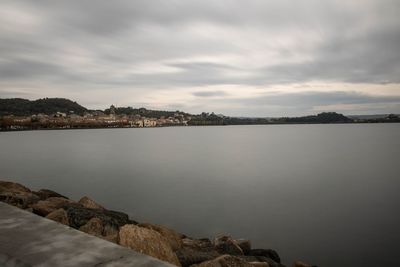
pixel 251 58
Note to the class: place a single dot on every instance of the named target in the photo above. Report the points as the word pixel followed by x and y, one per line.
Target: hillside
pixel 145 112
pixel 324 117
pixel 25 107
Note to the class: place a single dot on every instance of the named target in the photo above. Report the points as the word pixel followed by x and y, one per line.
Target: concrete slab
pixel 30 240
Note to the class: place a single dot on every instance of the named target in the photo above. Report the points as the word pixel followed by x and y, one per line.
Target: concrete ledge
pixel 30 240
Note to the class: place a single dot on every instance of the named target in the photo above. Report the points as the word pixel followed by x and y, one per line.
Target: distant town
pixel 59 113
pixel 95 119
pixel 65 114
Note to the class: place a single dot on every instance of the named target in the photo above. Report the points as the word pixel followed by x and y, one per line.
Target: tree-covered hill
pixel 324 117
pixel 212 119
pixel 25 107
pixel 145 112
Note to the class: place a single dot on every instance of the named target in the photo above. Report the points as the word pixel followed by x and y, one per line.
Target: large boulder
pixel 195 251
pixel 245 245
pixel 173 238
pixel 259 264
pixel 110 233
pixel 90 203
pixel 225 261
pixel 188 256
pixel 44 207
pixel 44 194
pixel 20 200
pixel 147 241
pixel 227 245
pixel 12 187
pixel 269 253
pixel 59 215
pixel 17 195
pixel 79 216
pixel 253 259
pixel 203 244
pixel 93 227
pixel 301 264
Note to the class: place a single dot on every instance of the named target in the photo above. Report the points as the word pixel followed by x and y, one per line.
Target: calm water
pixel 325 194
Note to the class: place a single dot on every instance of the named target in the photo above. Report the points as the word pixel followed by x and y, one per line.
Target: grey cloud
pixel 306 103
pixel 312 98
pixel 362 59
pixel 35 70
pixel 209 93
pixel 18 69
pixel 349 51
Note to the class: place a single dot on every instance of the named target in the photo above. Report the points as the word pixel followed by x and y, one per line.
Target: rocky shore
pixel 154 240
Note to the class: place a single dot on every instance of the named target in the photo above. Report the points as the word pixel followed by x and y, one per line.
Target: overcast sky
pixel 247 57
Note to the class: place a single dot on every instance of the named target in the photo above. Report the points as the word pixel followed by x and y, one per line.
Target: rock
pixel 29 209
pixel 300 264
pixel 227 245
pixel 245 245
pixel 12 187
pixel 174 238
pixel 196 251
pixel 44 207
pixel 269 253
pixel 225 261
pixel 17 195
pixel 112 220
pixel 189 256
pixel 21 200
pixel 59 215
pixel 252 259
pixel 110 234
pixel 44 194
pixel 203 244
pixel 111 238
pixel 93 227
pixel 147 241
pixel 259 264
pixel 90 203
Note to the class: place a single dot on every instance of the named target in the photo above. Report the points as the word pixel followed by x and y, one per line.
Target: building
pixel 149 123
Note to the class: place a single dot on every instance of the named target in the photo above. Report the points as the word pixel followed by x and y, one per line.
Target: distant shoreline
pixel 59 113
pixel 172 126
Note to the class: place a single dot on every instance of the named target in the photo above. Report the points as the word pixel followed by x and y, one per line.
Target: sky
pixel 257 58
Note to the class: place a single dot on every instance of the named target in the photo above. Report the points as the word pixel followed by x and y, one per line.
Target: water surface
pixel 325 194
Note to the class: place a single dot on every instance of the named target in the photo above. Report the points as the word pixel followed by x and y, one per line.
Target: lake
pixel 324 194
